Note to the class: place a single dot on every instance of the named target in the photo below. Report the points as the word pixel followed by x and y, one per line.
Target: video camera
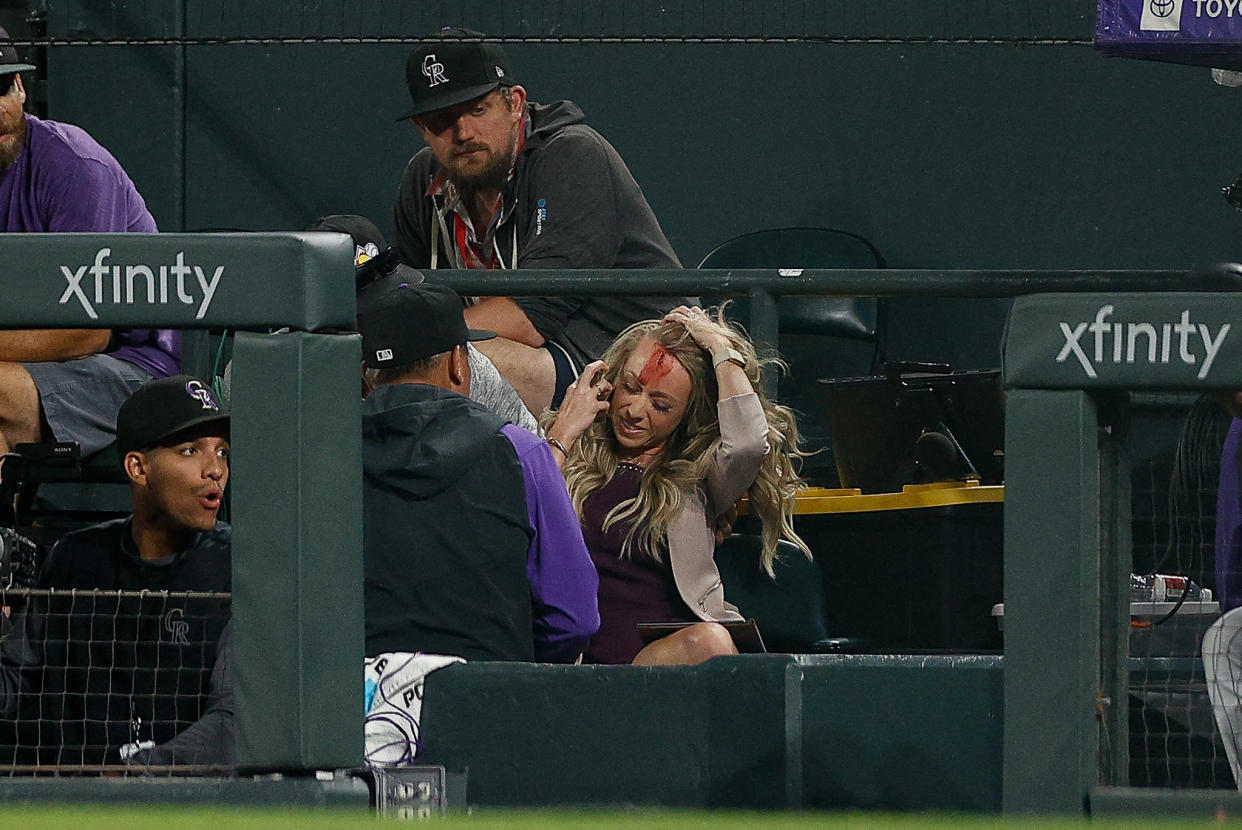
pixel 21 556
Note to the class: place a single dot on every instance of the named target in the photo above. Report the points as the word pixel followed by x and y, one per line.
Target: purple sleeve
pixel 563 581
pixel 99 199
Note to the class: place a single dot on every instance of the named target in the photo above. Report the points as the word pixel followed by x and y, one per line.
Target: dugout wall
pixel 296 458
pixel 1073 365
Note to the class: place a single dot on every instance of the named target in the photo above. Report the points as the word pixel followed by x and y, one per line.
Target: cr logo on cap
pixel 201 393
pixel 434 71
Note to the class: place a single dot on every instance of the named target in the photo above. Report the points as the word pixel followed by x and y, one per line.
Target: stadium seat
pixel 791 609
pixel 854 318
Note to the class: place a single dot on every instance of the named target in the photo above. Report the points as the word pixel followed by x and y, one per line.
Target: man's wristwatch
pixel 728 356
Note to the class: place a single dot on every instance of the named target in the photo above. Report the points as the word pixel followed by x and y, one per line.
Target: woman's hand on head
pixel 584 400
pixel 703 330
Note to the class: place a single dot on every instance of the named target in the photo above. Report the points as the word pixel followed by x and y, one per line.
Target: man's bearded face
pixel 475 141
pixel 12 121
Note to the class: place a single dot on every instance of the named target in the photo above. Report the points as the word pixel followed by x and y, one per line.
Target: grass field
pixel 190 818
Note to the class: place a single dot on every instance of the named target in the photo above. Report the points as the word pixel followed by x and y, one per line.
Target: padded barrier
pixel 297 574
pixel 752 731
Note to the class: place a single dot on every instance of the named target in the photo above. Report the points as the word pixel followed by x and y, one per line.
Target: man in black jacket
pixel 506 183
pixel 121 654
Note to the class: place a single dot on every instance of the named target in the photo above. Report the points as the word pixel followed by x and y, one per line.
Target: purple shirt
pixel 63 181
pixel 563 582
pixel 633 589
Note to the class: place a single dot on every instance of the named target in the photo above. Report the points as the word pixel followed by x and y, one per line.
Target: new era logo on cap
pixel 383 354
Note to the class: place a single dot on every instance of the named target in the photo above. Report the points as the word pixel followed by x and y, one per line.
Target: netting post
pixel 297 551
pixel 1052 590
pixel 1116 544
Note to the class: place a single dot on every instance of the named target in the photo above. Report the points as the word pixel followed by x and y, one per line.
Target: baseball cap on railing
pixel 374 261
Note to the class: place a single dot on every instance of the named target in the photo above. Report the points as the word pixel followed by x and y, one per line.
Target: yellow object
pixel 821 500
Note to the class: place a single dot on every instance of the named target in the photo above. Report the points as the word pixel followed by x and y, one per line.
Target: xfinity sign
pixel 100 283
pixel 1105 340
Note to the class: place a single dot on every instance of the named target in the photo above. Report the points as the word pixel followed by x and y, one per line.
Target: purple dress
pixel 632 589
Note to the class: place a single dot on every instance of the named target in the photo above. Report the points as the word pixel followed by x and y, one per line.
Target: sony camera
pixel 25 466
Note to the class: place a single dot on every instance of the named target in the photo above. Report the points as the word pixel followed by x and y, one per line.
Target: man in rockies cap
pixel 163 694
pixel 470 545
pixel 67 384
pixel 507 183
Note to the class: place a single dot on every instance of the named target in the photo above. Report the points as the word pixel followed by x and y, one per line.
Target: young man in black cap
pixel 67 384
pixel 506 183
pixel 471 546
pixel 141 678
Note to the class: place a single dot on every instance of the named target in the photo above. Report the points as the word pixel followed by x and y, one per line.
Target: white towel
pixel 394 704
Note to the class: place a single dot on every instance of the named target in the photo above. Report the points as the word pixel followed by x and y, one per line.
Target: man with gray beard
pixel 67 384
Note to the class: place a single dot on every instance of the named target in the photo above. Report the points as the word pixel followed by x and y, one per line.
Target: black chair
pixel 853 318
pixel 791 610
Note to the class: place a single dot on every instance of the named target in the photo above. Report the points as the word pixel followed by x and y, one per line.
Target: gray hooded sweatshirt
pixel 570 203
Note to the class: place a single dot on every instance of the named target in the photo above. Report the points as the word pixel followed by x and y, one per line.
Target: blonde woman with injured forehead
pixel 657 441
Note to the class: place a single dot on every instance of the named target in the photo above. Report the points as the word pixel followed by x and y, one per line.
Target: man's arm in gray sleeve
pixel 210 739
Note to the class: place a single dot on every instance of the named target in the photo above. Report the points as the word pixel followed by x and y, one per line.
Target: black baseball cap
pixel 162 408
pixel 376 266
pixel 9 61
pixel 368 241
pixel 454 66
pixel 410 323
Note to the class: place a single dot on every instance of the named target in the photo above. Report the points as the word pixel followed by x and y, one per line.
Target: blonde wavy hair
pixel 681 469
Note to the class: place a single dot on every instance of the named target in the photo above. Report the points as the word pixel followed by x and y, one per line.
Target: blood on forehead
pixel 657 367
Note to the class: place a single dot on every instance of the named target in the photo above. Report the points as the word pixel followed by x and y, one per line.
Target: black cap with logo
pixel 376 266
pixel 9 61
pixel 452 67
pixel 412 322
pixel 162 408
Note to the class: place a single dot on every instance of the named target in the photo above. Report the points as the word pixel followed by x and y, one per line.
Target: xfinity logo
pixel 100 283
pixel 1137 342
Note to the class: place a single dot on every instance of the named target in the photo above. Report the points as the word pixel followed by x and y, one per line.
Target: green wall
pixel 1021 149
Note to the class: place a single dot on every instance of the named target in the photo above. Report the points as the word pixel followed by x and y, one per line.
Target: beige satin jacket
pixel 691 543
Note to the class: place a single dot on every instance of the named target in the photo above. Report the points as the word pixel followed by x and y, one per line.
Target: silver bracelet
pixel 555 443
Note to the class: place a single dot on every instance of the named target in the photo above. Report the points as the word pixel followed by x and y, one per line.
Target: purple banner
pixel 1205 32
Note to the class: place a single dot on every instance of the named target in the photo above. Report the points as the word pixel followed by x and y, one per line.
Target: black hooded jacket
pixel 571 203
pixel 445 528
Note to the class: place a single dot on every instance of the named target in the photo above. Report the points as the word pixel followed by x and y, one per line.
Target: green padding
pixel 1052 600
pixel 1124 341
pixel 710 735
pixel 131 280
pixel 743 732
pixel 297 552
pixel 902 732
pixel 235 792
